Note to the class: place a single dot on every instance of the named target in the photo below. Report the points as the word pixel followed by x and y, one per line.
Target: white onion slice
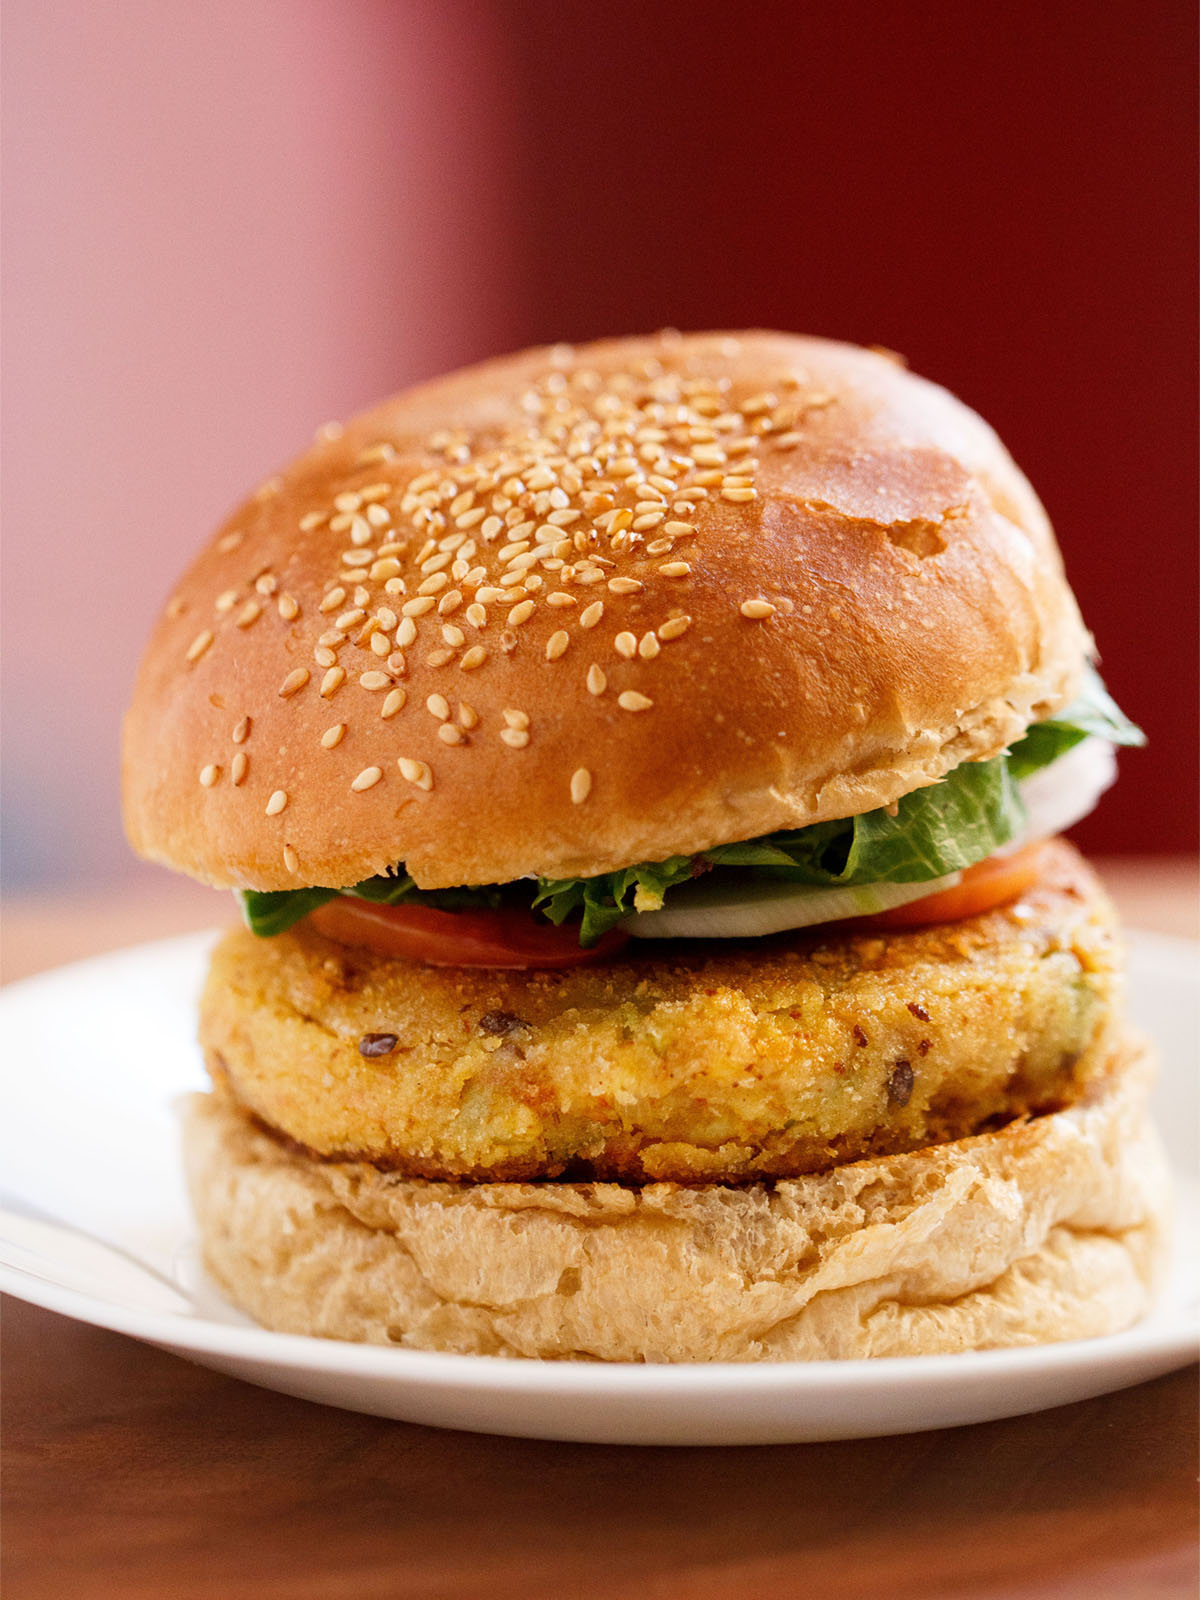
pixel 1060 794
pixel 752 910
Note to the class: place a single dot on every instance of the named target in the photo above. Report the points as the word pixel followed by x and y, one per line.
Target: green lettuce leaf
pixel 940 829
pixel 269 913
pixel 1095 712
pixel 602 902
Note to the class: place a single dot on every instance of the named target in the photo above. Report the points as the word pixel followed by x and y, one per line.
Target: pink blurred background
pixel 229 222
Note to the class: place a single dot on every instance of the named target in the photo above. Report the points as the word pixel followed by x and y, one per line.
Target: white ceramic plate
pixel 96 1056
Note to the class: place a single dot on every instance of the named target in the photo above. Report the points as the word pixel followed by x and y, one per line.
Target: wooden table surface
pixel 133 1474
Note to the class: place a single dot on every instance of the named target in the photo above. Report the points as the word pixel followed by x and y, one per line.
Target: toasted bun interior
pixel 1049 1229
pixel 579 608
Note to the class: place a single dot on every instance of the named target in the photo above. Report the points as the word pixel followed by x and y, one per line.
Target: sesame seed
pixel 311 520
pixel 438 705
pixel 756 610
pixel 674 628
pixel 415 772
pixel 406 633
pixel 350 619
pixel 199 645
pixel 631 700
pixel 348 501
pixel 366 779
pixel 439 657
pixel 433 584
pixel 467 715
pixel 515 738
pixel 332 600
pixel 290 859
pixel 378 516
pixel 288 608
pixel 659 547
pixel 293 683
pixel 558 598
pixel 229 541
pixel 581 785
pixel 276 803
pixel 360 533
pixel 249 613
pixel 238 768
pixel 385 567
pixel 225 602
pixel 374 680
pixel 597 681
pixel 520 613
pixel 477 615
pixel 556 644
pixel 332 682
pixel 678 529
pixel 418 606
pixel 394 702
pixel 625 644
pixel 450 602
pixel 624 585
pixel 649 520
pixel 453 636
pixel 675 569
pixel 739 495
pixel 648 646
pixel 474 657
pixel 209 775
pixel 333 735
pixel 590 615
pixel 241 731
pixel 380 644
pixel 516 719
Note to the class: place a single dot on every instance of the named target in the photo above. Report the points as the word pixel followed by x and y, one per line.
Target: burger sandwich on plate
pixel 642 766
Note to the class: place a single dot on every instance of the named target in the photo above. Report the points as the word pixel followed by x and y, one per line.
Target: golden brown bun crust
pixel 704 1064
pixel 920 619
pixel 1051 1229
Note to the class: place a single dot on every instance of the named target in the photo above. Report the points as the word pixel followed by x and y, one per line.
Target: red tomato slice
pixel 982 887
pixel 511 939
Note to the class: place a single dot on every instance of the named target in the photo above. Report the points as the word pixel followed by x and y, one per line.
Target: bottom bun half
pixel 1047 1229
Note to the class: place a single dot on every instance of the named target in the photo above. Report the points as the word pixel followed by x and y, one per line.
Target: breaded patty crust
pixel 764 1058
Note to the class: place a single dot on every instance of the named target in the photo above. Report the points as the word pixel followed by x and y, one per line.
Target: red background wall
pixel 1004 193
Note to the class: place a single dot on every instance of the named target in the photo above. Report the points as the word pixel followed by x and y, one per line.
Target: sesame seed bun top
pixel 583 607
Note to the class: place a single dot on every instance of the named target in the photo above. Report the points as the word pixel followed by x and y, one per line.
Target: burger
pixel 641 766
